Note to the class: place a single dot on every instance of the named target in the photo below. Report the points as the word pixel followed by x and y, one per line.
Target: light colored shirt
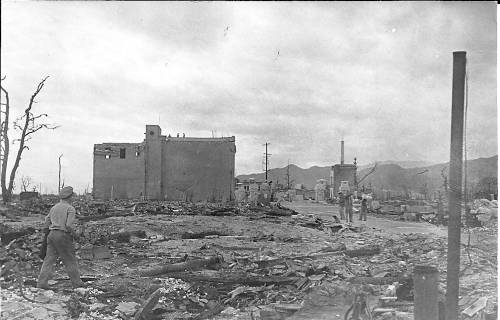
pixel 61 216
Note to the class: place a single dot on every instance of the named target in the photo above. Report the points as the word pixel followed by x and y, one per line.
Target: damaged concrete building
pixel 342 173
pixel 166 168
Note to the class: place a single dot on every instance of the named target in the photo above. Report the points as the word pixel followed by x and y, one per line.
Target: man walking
pixel 60 222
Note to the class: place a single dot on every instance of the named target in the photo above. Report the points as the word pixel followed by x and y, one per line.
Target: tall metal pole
pixel 342 152
pixel 266 161
pixel 455 191
pixel 288 175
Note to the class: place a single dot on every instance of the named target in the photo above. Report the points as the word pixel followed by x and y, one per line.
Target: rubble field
pixel 172 260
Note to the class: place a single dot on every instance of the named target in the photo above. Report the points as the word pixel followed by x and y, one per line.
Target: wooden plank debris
pixel 181 266
pixel 144 313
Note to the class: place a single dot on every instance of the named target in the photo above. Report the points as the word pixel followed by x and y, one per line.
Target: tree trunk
pixel 21 148
pixel 6 195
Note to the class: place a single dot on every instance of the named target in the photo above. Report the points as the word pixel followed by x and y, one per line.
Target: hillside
pixel 396 178
pixel 308 177
pixel 388 176
pixel 402 164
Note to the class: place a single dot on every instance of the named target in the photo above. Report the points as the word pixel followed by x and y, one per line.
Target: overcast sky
pixel 377 74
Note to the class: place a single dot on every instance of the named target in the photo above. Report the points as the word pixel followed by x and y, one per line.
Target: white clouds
pixel 378 74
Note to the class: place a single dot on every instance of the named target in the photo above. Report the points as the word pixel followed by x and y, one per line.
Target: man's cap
pixel 66 192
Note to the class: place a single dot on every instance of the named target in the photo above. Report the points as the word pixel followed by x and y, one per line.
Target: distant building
pixel 342 172
pixel 241 195
pixel 161 167
pixel 253 191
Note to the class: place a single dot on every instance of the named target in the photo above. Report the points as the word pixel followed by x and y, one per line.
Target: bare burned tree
pixel 28 124
pixel 26 183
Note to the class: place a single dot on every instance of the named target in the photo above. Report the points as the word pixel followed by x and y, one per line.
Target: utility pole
pixel 267 157
pixel 288 175
pixel 455 194
pixel 355 172
pixel 59 184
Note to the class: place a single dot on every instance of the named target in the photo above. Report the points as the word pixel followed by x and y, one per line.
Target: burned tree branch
pixel 26 181
pixel 26 124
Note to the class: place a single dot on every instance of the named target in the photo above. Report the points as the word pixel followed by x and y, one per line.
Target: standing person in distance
pixel 341 205
pixel 364 209
pixel 348 208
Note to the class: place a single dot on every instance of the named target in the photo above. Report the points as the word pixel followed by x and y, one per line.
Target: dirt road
pixel 326 211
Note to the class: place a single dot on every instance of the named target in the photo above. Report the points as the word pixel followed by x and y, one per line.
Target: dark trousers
pixel 362 213
pixel 348 213
pixel 59 244
pixel 342 212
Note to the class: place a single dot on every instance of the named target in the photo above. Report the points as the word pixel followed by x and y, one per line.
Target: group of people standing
pixel 345 207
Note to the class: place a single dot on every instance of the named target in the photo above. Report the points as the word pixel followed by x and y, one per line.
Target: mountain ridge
pixel 388 174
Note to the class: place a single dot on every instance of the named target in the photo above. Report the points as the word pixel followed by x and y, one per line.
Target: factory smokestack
pixel 342 152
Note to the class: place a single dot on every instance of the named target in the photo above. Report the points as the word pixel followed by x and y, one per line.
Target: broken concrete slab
pixel 91 252
pixel 128 308
pixel 477 306
pixel 101 252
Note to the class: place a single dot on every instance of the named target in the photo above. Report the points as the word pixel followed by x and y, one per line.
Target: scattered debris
pixel 477 306
pixel 163 259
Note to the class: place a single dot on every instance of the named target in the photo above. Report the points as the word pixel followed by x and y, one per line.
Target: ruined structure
pixel 320 190
pixel 342 172
pixel 169 168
